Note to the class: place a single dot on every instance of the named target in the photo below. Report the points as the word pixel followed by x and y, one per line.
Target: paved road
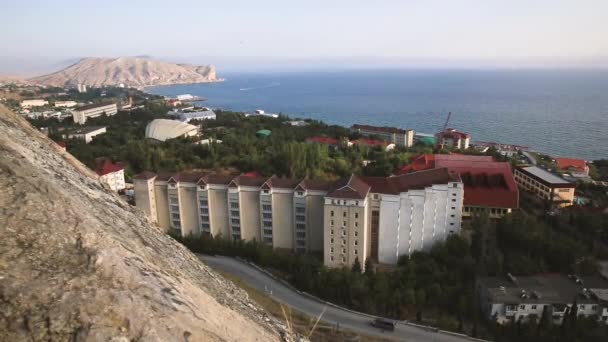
pixel 530 157
pixel 349 320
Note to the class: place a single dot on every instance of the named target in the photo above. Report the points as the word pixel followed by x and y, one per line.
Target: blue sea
pixel 559 112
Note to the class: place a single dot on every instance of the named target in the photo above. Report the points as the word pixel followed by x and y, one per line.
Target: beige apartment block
pixel 545 185
pixel 397 136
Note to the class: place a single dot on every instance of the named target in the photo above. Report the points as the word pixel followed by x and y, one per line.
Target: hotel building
pixel 81 114
pixel 355 218
pixel 545 185
pixel 397 136
pixel 452 138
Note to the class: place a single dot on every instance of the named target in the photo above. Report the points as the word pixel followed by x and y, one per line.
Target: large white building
pixel 65 104
pixel 352 219
pixel 188 115
pixel 163 129
pixel 81 114
pixel 86 133
pixel 33 103
pixel 397 136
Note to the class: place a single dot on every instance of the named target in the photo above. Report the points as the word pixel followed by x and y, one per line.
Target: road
pixel 530 157
pixel 348 320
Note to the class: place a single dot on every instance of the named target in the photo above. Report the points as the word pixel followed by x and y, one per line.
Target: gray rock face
pixel 130 71
pixel 79 264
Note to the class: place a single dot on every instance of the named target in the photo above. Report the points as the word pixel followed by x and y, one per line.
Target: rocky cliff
pixel 130 71
pixel 79 264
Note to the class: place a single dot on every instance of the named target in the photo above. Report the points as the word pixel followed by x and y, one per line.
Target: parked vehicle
pixel 384 324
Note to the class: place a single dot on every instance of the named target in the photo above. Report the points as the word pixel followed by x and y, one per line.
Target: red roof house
pixel 104 166
pixel 322 140
pixel 572 165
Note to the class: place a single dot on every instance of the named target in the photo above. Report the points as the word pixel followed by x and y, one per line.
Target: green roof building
pixel 263 133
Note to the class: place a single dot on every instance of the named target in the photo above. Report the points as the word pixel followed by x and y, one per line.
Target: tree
pixel 356 266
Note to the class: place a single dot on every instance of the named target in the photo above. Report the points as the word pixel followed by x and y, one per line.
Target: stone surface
pixel 79 264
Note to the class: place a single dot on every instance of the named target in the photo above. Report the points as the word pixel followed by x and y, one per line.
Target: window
pixel 331 258
pixel 204 203
pixel 300 243
pixel 267 223
pixel 343 250
pixel 266 191
pixel 594 307
pixel 266 207
pixel 344 214
pixel 331 213
pixel 356 242
pixel 533 307
pixel 344 224
pixel 356 224
pixel 454 194
pixel 300 218
pixel 522 307
pixel 581 307
pixel 235 221
pixel 204 211
pixel 234 213
pixel 205 219
pixel 453 208
pixel 452 215
pixel 343 232
pixel 202 187
pixel 356 215
pixel 331 250
pixel 300 210
pixel 300 193
pixel 356 233
pixel 356 252
pixel 454 185
pixel 343 259
pixel 174 208
pixel 301 226
pixel 205 226
pixel 234 205
pixel 343 242
pixel 301 235
pixel 331 232
pixel 331 222
pixel 267 216
pixel 175 216
pixel 331 240
pixel 452 223
pixel 453 200
pixel 356 202
pixel 268 240
pixel 268 231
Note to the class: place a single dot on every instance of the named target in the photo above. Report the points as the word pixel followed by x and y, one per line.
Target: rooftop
pixel 353 187
pixel 411 181
pixel 544 175
pixel 322 140
pixel 104 166
pixel 542 288
pixel 88 129
pixel 379 129
pixel 454 134
pixel 567 164
pixel 94 105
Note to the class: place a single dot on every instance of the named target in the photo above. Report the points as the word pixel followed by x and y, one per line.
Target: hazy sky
pixel 423 32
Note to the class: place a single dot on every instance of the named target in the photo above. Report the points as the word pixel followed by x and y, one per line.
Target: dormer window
pixel 266 191
pixel 202 187
pixel 300 193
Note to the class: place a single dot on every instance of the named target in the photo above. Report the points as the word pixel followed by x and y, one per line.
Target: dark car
pixel 384 324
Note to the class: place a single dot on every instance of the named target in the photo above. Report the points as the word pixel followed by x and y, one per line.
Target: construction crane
pixel 447 122
pixel 440 135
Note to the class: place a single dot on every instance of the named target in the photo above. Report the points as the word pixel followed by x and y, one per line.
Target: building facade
pixel 112 174
pixel 33 103
pixel 81 114
pixel 397 136
pixel 510 299
pixel 86 133
pixel 545 185
pixel 349 220
pixel 453 139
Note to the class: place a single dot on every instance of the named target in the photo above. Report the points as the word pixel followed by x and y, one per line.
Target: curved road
pixel 356 322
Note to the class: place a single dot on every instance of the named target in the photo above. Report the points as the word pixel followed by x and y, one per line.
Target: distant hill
pixel 131 71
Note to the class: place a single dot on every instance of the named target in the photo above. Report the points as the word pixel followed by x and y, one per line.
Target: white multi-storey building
pixel 81 114
pixel 110 173
pixel 353 219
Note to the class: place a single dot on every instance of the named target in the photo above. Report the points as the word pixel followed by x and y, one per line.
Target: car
pixel 384 324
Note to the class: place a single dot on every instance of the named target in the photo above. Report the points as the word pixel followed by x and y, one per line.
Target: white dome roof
pixel 162 129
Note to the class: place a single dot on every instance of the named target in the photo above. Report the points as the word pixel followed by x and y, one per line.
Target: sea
pixel 558 112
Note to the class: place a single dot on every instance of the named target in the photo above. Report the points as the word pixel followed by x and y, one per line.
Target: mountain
pixel 131 71
pixel 77 263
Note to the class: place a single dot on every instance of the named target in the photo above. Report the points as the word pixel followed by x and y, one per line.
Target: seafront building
pixel 575 167
pixel 355 218
pixel 453 139
pixel 397 136
pixel 511 299
pixel 195 114
pixel 545 185
pixel 81 114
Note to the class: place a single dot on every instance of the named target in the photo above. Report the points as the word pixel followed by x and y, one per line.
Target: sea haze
pixel 560 112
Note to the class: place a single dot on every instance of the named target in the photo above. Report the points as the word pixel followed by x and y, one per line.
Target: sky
pixel 282 33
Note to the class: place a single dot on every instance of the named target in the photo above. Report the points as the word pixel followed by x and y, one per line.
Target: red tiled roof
pixel 283 183
pixel 411 181
pixel 379 129
pixel 145 175
pixel 322 140
pixel 318 185
pixel 217 179
pixel 352 187
pixel 103 166
pixel 422 162
pixel 248 181
pixel 571 164
pixel 252 174
pixel 487 183
pixel 370 142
